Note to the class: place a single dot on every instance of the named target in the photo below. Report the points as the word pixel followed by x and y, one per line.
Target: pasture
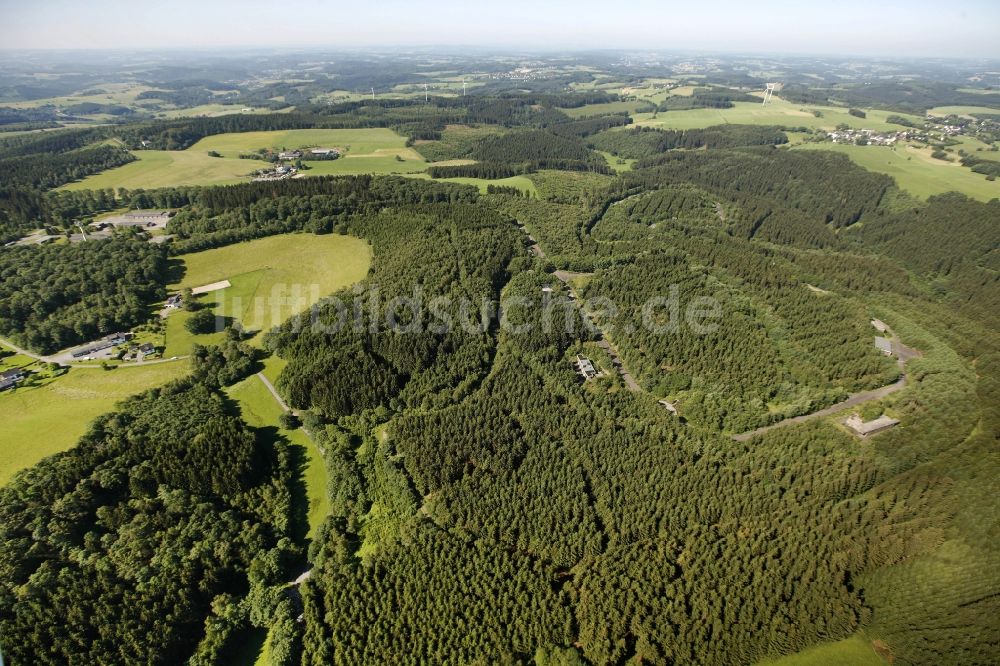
pixel 372 150
pixel 271 279
pixel 776 112
pixel 50 417
pixel 915 170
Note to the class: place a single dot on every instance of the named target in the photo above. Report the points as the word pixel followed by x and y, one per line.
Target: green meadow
pixel 371 150
pixel 776 112
pixel 271 279
pixel 961 110
pixel 50 417
pixel 915 170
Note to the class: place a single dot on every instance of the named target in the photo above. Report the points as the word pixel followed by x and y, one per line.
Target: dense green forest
pixel 55 296
pixel 487 505
pixel 162 535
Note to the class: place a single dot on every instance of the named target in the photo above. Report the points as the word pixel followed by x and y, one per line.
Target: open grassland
pixel 961 110
pixel 51 417
pixel 853 651
pixel 168 168
pixel 214 110
pixel 103 93
pixel 271 279
pixel 600 109
pixel 522 183
pixel 260 410
pixel 372 150
pixel 915 170
pixel 776 112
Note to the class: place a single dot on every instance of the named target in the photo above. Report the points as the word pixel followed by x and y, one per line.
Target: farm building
pixel 585 367
pixel 9 378
pixel 174 301
pixel 884 345
pixel 289 154
pixel 880 325
pixel 152 219
pixel 324 152
pixel 865 428
pixel 108 341
pixel 144 350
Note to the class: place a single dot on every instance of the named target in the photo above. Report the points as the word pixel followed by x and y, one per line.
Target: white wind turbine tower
pixel 768 92
pixel 463 87
pixel 373 93
pixel 425 93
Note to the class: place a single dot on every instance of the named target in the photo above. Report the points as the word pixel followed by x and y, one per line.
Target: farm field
pixel 777 112
pixel 167 168
pixel 372 150
pixel 271 280
pixel 853 651
pixel 51 417
pixel 915 170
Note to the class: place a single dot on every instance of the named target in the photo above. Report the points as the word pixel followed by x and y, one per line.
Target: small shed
pixel 880 325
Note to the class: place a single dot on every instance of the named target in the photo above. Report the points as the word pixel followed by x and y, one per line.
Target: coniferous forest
pixel 486 504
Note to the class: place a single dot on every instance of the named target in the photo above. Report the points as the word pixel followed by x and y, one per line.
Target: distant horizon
pixel 920 29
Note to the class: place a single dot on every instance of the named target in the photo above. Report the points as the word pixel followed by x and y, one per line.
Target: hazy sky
pixel 895 28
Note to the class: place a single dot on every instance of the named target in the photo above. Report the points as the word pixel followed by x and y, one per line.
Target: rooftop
pixel 865 428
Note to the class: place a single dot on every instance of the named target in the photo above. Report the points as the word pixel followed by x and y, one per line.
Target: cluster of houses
pixel 874 138
pixel 280 172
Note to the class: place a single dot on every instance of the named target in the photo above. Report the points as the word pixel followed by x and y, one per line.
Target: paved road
pixel 65 357
pixel 274 392
pixel 853 401
pixel 903 354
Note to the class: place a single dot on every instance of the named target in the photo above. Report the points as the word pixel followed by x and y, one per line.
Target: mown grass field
pixel 372 150
pixel 776 112
pixel 915 170
pixel 168 168
pixel 272 279
pixel 853 651
pixel 42 420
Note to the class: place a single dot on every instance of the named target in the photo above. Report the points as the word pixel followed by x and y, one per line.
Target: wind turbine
pixel 768 92
pixel 463 87
pixel 373 93
pixel 425 93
